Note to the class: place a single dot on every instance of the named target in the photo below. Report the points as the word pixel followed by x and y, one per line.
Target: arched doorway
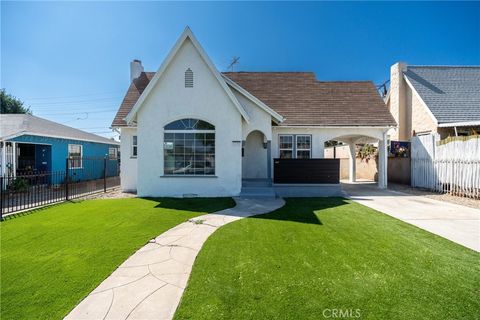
pixel 255 156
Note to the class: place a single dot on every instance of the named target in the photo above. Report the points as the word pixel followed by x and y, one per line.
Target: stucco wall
pixel 128 165
pixel 169 101
pixel 254 162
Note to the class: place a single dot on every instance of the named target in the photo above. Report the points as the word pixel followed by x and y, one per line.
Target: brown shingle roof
pixel 133 93
pixel 299 98
pixel 303 101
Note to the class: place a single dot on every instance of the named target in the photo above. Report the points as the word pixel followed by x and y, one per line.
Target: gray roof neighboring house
pixel 452 93
pixel 14 125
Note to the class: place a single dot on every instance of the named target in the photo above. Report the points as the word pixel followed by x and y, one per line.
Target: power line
pixel 70 102
pixel 73 113
pixel 68 97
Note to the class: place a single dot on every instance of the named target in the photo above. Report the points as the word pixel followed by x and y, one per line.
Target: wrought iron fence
pixel 82 177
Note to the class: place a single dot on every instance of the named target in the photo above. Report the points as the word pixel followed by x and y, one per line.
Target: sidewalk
pixel 150 283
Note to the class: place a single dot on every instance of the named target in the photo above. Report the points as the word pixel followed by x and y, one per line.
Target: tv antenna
pixel 233 63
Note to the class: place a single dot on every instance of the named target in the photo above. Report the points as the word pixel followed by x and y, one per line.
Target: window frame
pixel 74 159
pixel 203 154
pixel 297 149
pixel 134 146
pixel 280 149
pixel 115 155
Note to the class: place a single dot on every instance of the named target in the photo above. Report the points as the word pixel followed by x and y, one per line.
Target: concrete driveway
pixel 457 223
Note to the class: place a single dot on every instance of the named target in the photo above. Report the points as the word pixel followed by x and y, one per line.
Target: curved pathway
pixel 150 283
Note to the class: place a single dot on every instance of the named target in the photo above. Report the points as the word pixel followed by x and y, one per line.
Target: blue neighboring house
pixel 32 144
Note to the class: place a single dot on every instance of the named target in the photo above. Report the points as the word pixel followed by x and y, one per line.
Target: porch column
pixel 269 160
pixel 352 163
pixel 4 157
pixel 14 158
pixel 382 162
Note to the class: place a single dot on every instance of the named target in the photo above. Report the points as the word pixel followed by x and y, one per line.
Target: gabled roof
pixel 14 125
pixel 452 93
pixel 298 97
pixel 304 101
pixel 187 34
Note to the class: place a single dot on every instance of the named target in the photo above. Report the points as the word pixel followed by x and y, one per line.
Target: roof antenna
pixel 233 63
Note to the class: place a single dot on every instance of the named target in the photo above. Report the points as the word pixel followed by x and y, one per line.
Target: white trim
pixel 254 99
pixel 25 133
pixel 187 131
pixel 421 100
pixel 37 143
pixel 460 124
pixel 296 145
pixel 74 158
pixel 132 146
pixel 293 145
pixel 187 33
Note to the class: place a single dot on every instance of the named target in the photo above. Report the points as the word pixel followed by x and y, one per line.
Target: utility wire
pixel 70 102
pixel 73 113
pixel 78 96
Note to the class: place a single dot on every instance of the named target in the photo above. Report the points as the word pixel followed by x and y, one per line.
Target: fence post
pixel 1 197
pixel 66 179
pixel 105 174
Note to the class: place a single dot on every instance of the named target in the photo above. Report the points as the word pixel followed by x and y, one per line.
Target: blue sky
pixel 65 59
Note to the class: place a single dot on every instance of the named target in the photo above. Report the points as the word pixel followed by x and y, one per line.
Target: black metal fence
pixel 82 177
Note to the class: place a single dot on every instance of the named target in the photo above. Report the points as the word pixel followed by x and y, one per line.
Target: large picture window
pixel 75 154
pixel 189 148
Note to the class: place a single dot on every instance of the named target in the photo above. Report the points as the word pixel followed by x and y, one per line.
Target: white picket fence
pixel 447 166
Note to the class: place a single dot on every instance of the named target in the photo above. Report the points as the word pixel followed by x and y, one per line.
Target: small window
pixel 134 146
pixel 286 147
pixel 75 155
pixel 303 146
pixel 189 78
pixel 112 153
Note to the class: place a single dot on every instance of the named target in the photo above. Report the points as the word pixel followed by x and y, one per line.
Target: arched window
pixel 189 78
pixel 189 148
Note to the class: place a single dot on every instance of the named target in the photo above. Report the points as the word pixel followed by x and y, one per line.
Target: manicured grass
pixel 317 254
pixel 54 257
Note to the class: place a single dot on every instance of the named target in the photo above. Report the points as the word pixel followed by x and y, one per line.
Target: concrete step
pixel 256 183
pixel 266 192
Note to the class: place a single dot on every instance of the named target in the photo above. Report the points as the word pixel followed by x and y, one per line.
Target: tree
pixel 10 104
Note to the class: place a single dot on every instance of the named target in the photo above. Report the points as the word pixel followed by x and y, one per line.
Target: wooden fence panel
pixel 306 171
pixel 447 166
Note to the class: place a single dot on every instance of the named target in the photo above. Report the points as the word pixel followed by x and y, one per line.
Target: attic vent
pixel 189 78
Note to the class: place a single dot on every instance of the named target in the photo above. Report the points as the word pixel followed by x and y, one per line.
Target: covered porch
pixel 18 158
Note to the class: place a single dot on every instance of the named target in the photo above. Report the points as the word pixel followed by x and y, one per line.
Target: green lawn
pixel 54 257
pixel 323 254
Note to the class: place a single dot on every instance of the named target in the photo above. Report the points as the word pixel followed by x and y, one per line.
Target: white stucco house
pixel 190 130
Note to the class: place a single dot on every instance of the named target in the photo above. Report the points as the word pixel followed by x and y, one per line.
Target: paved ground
pixel 464 201
pixel 457 223
pixel 150 283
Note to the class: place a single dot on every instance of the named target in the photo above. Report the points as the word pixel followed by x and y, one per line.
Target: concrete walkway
pixel 457 223
pixel 150 283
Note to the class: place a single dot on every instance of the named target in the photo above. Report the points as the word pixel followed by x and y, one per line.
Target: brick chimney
pixel 136 69
pixel 398 105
